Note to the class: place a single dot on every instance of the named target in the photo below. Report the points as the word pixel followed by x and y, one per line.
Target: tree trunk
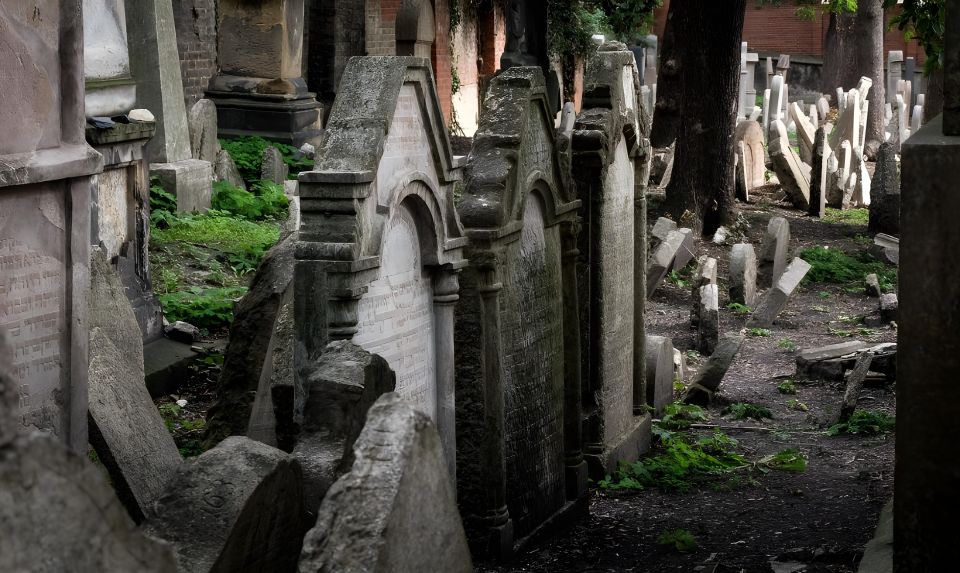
pixel 666 117
pixel 868 29
pixel 708 50
pixel 839 57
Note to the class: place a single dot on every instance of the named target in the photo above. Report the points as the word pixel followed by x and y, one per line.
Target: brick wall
pixel 196 24
pixel 441 57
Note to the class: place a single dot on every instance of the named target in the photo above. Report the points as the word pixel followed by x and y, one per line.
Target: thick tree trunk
pixel 838 54
pixel 666 116
pixel 709 53
pixel 868 28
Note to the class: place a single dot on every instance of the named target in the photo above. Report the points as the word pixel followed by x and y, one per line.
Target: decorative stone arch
pixel 380 243
pixel 610 158
pixel 517 334
pixel 416 28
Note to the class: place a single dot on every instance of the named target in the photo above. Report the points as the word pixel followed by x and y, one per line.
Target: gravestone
pixel 819 174
pixel 775 299
pixel 705 274
pixel 517 327
pixel 126 429
pixel 701 391
pixel 273 168
pixel 259 88
pixel 338 391
pixel 395 510
pixel 708 327
pixel 380 245
pixel 612 246
pixel 202 121
pixel 894 74
pixel 234 509
pixel 45 189
pixel 750 134
pixel 805 132
pixel 743 274
pixel 774 251
pixel 794 174
pixel 659 369
pixel 885 204
pixel 662 259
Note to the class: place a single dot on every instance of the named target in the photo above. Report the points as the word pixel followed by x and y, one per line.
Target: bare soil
pixel 820 518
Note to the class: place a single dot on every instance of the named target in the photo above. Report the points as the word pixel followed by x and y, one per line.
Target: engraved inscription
pixel 407 149
pixel 31 300
pixel 616 302
pixel 533 372
pixel 396 314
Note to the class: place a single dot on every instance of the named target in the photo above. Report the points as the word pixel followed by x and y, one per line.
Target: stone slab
pixel 705 274
pixel 711 374
pixel 819 174
pixel 395 510
pixel 775 299
pixel 794 174
pixel 662 259
pixel 885 193
pixel 708 329
pixel 889 307
pixel 659 367
pixel 774 251
pixel 190 181
pixel 662 228
pixel 202 120
pixel 743 274
pixel 686 252
pixel 273 168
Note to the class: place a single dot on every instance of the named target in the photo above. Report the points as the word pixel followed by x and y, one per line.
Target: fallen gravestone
pixel 57 512
pixel 707 381
pixel 662 228
pixel 776 298
pixel 659 366
pixel 339 390
pixel 743 274
pixel 705 274
pixel 662 259
pixel 794 174
pixel 774 251
pixel 886 248
pixel 234 509
pixel 686 252
pixel 819 174
pixel 708 328
pixel 273 168
pixel 833 361
pixel 126 429
pixel 395 510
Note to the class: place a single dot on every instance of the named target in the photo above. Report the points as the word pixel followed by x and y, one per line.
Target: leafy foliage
pixel 185 428
pixel 629 19
pixel 922 20
pixel 745 410
pixel 760 332
pixel 797 405
pixel 204 308
pixel 679 416
pixel 787 387
pixel 835 266
pixel 789 460
pixel 737 308
pixel 847 216
pixel 268 200
pixel 680 539
pixel 864 422
pixel 787 344
pixel 247 154
pixel 217 229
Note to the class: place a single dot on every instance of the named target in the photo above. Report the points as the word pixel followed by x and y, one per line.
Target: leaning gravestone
pixel 234 509
pixel 665 256
pixel 126 429
pixel 605 177
pixel 776 298
pixel 396 509
pixel 659 367
pixel 773 252
pixel 743 274
pixel 750 134
pixel 45 190
pixel 885 204
pixel 57 513
pixel 819 174
pixel 517 327
pixel 202 120
pixel 794 174
pixel 380 243
pixel 701 391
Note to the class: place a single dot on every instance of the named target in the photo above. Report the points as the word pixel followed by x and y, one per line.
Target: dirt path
pixel 821 517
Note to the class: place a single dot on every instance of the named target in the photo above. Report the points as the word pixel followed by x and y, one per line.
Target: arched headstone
pixel 750 133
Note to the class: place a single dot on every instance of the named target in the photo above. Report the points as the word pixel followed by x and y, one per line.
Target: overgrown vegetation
pixel 787 387
pixel 209 308
pixel 737 308
pixel 746 410
pixel 680 539
pixel 186 428
pixel 786 344
pixel 847 216
pixel 759 332
pixel 864 422
pixel 267 201
pixel 247 154
pixel 679 416
pixel 835 266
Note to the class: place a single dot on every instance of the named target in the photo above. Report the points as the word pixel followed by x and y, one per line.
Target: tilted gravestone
pixel 659 371
pixel 606 144
pixel 45 189
pixel 57 513
pixel 517 331
pixel 885 204
pixel 126 429
pixel 751 156
pixel 794 174
pixel 774 251
pixel 775 299
pixel 395 510
pixel 743 274
pixel 380 245
pixel 819 174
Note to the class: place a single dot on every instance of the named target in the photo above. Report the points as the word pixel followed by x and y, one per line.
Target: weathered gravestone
pixel 659 371
pixel 607 140
pixel 338 391
pixel 775 299
pixel 751 156
pixel 380 244
pixel 774 251
pixel 819 174
pixel 885 204
pixel 794 174
pixel 708 327
pixel 396 509
pixel 57 512
pixel 273 168
pixel 202 120
pixel 126 429
pixel 703 388
pixel 45 189
pixel 743 274
pixel 705 274
pixel 517 327
pixel 234 509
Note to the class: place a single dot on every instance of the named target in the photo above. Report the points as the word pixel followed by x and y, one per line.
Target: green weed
pixel 797 405
pixel 680 539
pixel 847 217
pixel 835 266
pixel 787 387
pixel 789 460
pixel 247 154
pixel 204 308
pixel 267 202
pixel 786 344
pixel 851 332
pixel 676 277
pixel 738 308
pixel 185 428
pixel 758 332
pixel 679 416
pixel 865 422
pixel 220 231
pixel 746 410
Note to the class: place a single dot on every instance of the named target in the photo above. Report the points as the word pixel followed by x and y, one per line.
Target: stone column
pixel 642 176
pixel 259 90
pixel 576 467
pixel 446 291
pixel 106 60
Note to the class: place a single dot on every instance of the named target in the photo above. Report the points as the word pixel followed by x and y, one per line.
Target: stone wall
pixel 334 33
pixel 196 23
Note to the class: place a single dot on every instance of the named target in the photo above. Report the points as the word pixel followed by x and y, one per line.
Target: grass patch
pixel 851 332
pixel 847 217
pixel 737 308
pixel 680 539
pixel 758 332
pixel 789 460
pixel 835 266
pixel 677 278
pixel 787 387
pixel 216 229
pixel 797 405
pixel 247 154
pixel 746 410
pixel 268 200
pixel 186 428
pixel 210 308
pixel 865 422
pixel 786 344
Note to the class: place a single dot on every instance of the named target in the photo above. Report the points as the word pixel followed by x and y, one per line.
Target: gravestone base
pixel 570 513
pixel 627 448
pixel 293 120
pixel 190 180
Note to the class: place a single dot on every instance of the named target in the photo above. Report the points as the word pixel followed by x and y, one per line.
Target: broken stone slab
pixel 854 384
pixel 57 511
pixel 396 508
pixel 686 252
pixel 181 331
pixel 273 168
pixel 775 299
pixel 679 365
pixel 794 174
pixel 659 367
pixel 662 228
pixel 190 181
pixel 662 258
pixel 885 200
pixel 708 379
pixel 339 390
pixel 708 329
pixel 202 120
pixel 774 251
pixel 831 362
pixel 873 285
pixel 661 167
pixel 235 508
pixel 743 274
pixel 886 248
pixel 126 429
pixel 226 170
pixel 705 274
pixel 888 307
